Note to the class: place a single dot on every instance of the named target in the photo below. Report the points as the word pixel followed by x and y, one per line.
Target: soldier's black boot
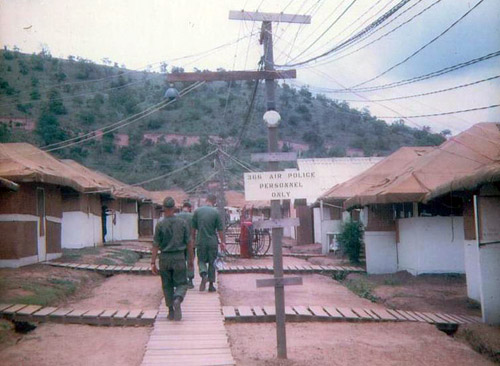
pixel 177 309
pixel 203 282
pixel 190 283
pixel 170 315
pixel 211 287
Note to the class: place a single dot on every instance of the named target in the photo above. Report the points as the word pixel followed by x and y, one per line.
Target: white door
pixel 42 230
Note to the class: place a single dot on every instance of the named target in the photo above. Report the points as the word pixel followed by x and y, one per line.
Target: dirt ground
pixel 58 344
pixel 344 343
pixel 78 345
pixel 433 293
pixel 327 344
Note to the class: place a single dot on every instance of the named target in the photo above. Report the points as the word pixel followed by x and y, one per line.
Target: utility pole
pixel 266 39
pixel 221 197
pixel 276 233
pixel 269 75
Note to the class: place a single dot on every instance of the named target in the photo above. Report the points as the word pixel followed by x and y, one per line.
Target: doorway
pixel 42 230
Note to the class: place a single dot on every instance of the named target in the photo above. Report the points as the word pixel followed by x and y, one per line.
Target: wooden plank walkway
pixel 292 269
pixel 199 339
pixel 146 270
pixel 104 269
pixel 259 314
pixel 104 317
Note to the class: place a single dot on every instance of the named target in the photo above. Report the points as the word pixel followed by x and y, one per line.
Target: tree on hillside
pixel 49 129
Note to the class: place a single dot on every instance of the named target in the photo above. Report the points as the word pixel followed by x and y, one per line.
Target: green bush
pixel 350 239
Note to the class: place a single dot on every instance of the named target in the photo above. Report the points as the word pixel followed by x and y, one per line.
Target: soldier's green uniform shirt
pixel 207 221
pixel 187 217
pixel 172 238
pixel 171 235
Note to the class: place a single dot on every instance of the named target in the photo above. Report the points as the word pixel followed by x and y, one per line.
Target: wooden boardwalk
pixel 67 315
pixel 199 339
pixel 250 314
pixel 146 270
pixel 305 268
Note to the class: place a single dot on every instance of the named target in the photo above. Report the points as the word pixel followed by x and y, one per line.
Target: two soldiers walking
pixel 176 245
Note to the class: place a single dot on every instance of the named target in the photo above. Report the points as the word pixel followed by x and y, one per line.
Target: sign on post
pixel 278 185
pixel 274 156
pixel 276 223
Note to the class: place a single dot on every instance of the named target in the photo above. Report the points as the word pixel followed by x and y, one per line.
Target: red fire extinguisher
pixel 246 234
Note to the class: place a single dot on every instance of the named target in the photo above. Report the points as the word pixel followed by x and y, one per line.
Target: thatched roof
pixel 110 185
pixel 5 183
pixel 471 182
pixel 377 174
pixel 178 195
pixel 458 157
pixel 22 162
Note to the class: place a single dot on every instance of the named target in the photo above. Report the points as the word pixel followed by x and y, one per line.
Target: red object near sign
pixel 246 234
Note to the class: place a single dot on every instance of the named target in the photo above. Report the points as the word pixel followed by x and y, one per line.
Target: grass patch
pixel 358 285
pixel 76 254
pixel 106 261
pixel 46 293
pixel 125 256
pixel 392 281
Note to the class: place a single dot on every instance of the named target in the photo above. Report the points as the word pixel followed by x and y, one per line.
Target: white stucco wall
pixel 129 226
pixel 381 252
pixel 489 257
pixel 80 230
pixel 317 223
pixel 431 245
pixel 471 252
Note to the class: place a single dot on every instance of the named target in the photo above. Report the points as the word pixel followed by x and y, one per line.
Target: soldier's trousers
pixel 190 272
pixel 173 276
pixel 207 254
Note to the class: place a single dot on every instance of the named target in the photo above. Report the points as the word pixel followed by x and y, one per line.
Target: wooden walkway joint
pixel 104 317
pixel 199 339
pixel 259 314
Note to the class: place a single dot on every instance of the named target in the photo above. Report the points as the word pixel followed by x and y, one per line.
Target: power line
pixel 446 113
pixel 353 23
pixel 421 48
pixel 91 133
pixel 149 65
pixel 428 93
pixel 360 34
pixel 151 111
pixel 326 30
pixel 416 78
pixel 329 60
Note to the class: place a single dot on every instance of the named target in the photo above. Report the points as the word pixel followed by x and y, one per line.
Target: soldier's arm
pixel 154 250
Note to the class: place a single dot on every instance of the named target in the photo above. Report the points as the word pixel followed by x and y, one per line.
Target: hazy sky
pixel 137 33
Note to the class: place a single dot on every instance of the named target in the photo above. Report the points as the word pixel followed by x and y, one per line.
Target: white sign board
pixel 263 186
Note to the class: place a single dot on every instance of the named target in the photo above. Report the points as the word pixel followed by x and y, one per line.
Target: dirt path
pixel 328 344
pixel 58 344
pixel 322 344
pixel 78 345
pixel 124 292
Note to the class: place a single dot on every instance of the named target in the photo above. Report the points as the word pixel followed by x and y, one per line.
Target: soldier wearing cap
pixel 187 216
pixel 172 240
pixel 206 225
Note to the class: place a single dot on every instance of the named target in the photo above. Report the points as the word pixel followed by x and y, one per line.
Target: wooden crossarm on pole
pixel 269 17
pixel 231 75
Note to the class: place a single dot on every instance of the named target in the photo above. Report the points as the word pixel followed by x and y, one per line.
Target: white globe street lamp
pixel 272 118
pixel 171 93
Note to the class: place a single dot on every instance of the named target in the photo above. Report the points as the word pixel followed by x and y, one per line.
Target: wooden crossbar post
pixel 277 232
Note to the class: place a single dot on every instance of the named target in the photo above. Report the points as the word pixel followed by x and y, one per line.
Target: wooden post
pixel 221 197
pixel 277 233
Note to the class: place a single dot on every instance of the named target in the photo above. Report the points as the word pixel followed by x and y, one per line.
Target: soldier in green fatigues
pixel 172 239
pixel 206 224
pixel 187 216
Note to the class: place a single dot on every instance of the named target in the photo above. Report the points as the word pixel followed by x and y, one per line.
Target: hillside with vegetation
pixel 67 98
